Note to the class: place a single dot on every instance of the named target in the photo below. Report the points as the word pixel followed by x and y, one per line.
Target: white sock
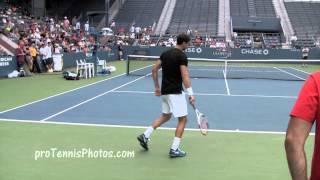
pixel 176 143
pixel 148 132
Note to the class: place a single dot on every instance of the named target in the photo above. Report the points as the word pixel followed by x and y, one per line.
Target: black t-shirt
pixel 171 61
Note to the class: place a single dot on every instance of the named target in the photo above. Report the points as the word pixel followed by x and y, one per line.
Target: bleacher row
pixel 305 20
pixel 200 16
pixel 258 40
pixel 142 13
pixel 262 8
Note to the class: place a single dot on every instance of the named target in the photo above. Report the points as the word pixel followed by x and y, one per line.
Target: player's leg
pixel 161 120
pixel 143 138
pixel 175 151
pixel 179 110
pixel 182 121
pixel 166 116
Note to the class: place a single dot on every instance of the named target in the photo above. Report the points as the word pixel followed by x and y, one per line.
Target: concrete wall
pixel 256 24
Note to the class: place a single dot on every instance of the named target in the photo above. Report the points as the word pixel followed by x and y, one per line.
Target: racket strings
pixel 204 125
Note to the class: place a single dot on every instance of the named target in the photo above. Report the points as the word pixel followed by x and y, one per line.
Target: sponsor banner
pixel 7 65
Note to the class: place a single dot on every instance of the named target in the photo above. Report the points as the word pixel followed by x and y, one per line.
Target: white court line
pixel 209 94
pixel 289 73
pixel 33 102
pixel 299 70
pixel 263 96
pixel 93 98
pixel 226 82
pixel 59 94
pixel 140 127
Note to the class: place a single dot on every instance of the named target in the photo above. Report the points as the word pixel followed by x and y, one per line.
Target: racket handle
pixel 193 105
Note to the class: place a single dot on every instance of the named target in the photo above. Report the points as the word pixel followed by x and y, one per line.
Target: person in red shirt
pixel 305 113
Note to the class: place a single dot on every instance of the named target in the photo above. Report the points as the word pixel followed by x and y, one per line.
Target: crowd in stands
pixel 46 36
pixel 41 38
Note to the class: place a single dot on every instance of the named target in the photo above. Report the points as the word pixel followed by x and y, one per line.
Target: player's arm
pixel 303 116
pixel 297 134
pixel 155 70
pixel 186 82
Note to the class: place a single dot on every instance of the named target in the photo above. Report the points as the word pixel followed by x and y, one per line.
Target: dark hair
pixel 183 38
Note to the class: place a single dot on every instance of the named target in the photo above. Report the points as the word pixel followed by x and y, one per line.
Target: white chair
pixel 89 67
pixel 101 63
pixel 81 69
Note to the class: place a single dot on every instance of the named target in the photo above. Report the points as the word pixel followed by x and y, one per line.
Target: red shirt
pixel 307 108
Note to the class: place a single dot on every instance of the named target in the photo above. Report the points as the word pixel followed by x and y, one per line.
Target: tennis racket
pixel 202 121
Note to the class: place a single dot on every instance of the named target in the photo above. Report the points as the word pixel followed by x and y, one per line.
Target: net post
pixel 128 65
pixel 225 67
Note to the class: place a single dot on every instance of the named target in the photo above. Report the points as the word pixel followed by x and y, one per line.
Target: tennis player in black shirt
pixel 175 75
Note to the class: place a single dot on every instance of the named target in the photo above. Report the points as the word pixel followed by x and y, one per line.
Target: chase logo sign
pixel 263 52
pixel 5 61
pixel 194 50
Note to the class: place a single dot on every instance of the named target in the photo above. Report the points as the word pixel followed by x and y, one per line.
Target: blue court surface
pixel 230 104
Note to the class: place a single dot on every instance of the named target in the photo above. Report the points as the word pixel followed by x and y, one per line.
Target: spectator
pixel 132 29
pixel 52 25
pixel 120 49
pixel 189 32
pixel 113 26
pixel 305 54
pixel 78 26
pixel 21 59
pixel 249 42
pixel 57 49
pixel 66 23
pixel 74 21
pixel 43 54
pixel 46 54
pixel 49 56
pixel 86 27
pixel 137 31
pixel 34 54
pixel 28 57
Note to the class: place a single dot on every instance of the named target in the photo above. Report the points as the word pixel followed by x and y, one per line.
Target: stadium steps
pixel 113 11
pixel 142 13
pixel 239 8
pixel 252 8
pixel 165 18
pixel 281 12
pixel 6 51
pixel 8 44
pixel 224 27
pixel 203 19
pixel 264 8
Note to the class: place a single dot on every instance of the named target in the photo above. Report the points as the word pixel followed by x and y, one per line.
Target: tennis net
pixel 287 70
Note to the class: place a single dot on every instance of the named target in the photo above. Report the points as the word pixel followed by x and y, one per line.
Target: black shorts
pixel 305 57
pixel 48 61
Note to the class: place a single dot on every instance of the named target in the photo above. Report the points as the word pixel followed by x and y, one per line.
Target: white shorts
pixel 175 104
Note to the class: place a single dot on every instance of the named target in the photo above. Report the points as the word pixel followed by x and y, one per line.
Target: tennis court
pixel 230 104
pixel 237 104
